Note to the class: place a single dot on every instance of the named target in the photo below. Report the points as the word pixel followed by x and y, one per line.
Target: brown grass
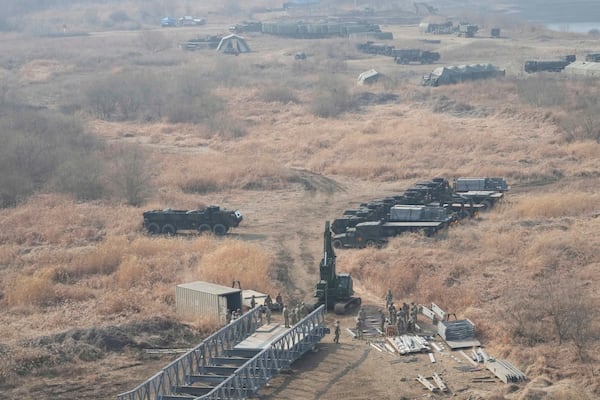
pixel 557 205
pixel 67 264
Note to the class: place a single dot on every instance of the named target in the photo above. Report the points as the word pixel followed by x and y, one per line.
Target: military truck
pixel 493 184
pixel 549 65
pixel 487 191
pixel 401 218
pixel 406 56
pixel 592 57
pixel 375 48
pixel 334 290
pixel 211 219
pixel 466 30
pixel 361 235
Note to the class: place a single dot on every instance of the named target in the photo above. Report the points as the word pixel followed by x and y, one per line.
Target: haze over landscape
pixel 104 114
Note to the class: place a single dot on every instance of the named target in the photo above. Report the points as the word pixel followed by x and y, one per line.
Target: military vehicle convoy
pixel 334 290
pixel 427 207
pixel 211 219
pixel 401 56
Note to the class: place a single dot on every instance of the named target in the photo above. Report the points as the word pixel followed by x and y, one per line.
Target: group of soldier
pixel 405 319
pixel 293 315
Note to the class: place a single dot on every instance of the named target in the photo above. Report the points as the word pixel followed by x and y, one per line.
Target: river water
pixel 575 27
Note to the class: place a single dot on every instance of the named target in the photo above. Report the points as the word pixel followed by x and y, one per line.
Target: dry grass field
pixel 97 128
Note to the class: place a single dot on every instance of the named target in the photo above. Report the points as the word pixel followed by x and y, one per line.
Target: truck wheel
pixel 168 229
pixel 371 243
pixel 219 230
pixel 204 228
pixel 153 229
pixel 337 244
pixel 487 204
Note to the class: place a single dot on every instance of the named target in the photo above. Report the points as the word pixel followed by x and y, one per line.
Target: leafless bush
pixel 333 98
pixel 38 149
pixel 281 94
pixel 554 309
pixel 154 41
pixel 130 175
pixel 541 92
pixel 127 95
pixel 582 125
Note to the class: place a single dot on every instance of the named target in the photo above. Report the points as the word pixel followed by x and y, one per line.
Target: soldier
pixel 406 310
pixel 382 321
pixel 279 301
pixel 414 313
pixel 268 314
pixel 234 315
pixel 260 313
pixel 294 315
pixel 359 329
pixel 401 320
pixel 286 316
pixel 252 302
pixel 336 332
pixel 400 324
pixel 393 315
pixel 268 301
pixel 389 298
pixel 302 310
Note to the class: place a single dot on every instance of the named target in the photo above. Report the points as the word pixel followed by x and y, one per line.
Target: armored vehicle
pixel 211 219
pixel 334 290
pixel 406 56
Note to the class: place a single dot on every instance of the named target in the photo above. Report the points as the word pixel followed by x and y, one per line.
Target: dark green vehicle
pixel 211 219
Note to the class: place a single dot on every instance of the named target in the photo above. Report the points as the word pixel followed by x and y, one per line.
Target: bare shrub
pixel 194 100
pixel 154 41
pixel 582 124
pixel 552 309
pixel 120 302
pixel 280 94
pixel 38 149
pixel 127 95
pixel 332 99
pixel 80 176
pixel 541 92
pixel 103 259
pixel 130 174
pixel 556 205
pixel 241 261
pixel 36 290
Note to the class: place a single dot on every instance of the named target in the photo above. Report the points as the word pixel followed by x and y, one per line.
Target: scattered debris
pixel 426 383
pixel 505 371
pixel 407 344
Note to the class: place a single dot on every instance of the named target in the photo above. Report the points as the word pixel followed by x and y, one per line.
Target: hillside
pixel 104 122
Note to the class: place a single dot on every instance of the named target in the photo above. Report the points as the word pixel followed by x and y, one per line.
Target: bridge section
pixel 235 362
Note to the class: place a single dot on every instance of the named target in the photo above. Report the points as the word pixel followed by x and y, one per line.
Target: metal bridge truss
pixel 216 370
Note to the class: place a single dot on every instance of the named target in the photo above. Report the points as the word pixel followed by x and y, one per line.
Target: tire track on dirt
pixel 321 392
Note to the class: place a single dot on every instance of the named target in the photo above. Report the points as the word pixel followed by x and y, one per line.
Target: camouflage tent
pixel 460 73
pixel 233 44
pixel 368 77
